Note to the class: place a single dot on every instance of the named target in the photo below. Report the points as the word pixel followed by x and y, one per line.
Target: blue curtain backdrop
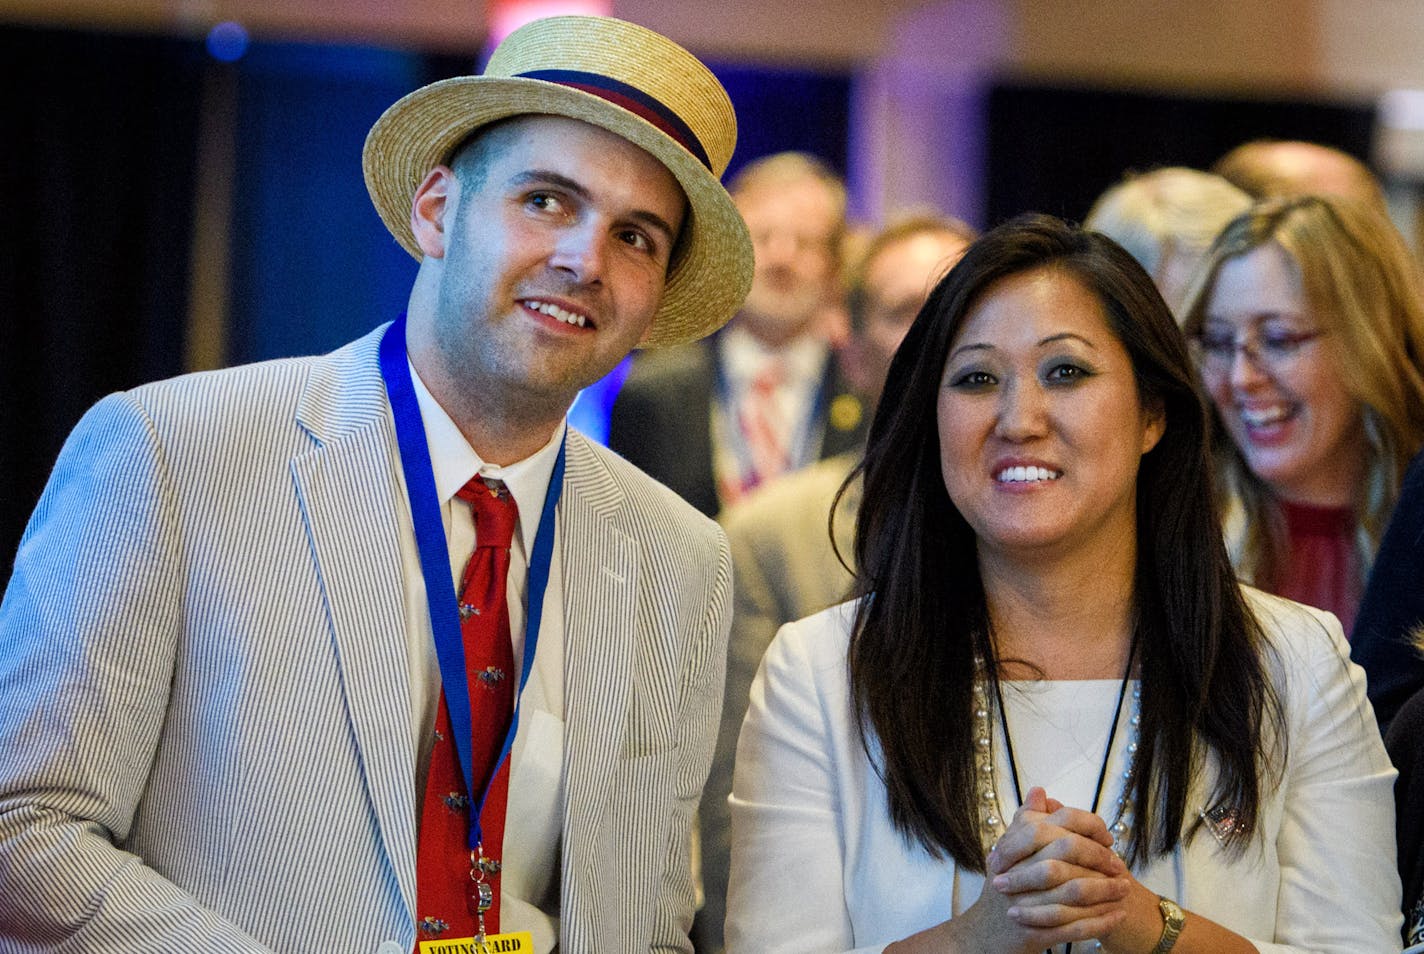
pixel 785 109
pixel 312 266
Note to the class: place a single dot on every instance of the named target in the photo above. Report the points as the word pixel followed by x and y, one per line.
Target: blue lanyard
pixel 435 564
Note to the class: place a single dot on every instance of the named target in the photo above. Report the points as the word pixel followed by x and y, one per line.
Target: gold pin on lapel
pixel 846 412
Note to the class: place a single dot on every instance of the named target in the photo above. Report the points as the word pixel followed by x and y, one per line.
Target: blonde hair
pixel 1173 212
pixel 1364 289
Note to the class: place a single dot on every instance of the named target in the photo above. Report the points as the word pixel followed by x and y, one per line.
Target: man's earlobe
pixel 433 198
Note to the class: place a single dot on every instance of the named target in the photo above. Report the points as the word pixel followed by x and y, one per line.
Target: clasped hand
pixel 1051 878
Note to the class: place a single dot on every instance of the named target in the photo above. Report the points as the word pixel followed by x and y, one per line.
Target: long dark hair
pixel 922 621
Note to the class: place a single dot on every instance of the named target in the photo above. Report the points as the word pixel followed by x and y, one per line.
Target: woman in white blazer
pixel 1053 719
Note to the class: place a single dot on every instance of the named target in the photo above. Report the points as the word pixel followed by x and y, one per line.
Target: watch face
pixel 1173 919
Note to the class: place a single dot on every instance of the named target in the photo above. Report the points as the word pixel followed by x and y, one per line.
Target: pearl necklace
pixel 993 824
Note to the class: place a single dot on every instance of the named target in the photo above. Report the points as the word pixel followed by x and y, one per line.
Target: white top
pixel 1059 731
pixel 529 884
pixel 818 867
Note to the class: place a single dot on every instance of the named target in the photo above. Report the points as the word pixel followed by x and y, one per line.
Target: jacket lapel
pixel 846 418
pixel 352 499
pixel 600 579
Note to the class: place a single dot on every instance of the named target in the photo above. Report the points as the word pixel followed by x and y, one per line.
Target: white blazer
pixel 817 865
pixel 204 712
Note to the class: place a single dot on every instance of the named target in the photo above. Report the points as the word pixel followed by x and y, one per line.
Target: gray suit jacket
pixel 204 701
pixel 786 569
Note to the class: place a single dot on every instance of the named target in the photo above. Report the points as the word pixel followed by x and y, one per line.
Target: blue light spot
pixel 227 42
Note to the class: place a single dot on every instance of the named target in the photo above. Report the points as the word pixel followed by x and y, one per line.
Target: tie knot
pixel 494 511
pixel 769 377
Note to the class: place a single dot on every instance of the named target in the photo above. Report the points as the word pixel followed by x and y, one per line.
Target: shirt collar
pixel 804 358
pixel 454 462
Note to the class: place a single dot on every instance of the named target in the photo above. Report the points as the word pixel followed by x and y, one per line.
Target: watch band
pixel 1173 920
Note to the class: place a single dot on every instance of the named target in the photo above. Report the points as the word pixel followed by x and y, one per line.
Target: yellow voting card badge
pixel 518 942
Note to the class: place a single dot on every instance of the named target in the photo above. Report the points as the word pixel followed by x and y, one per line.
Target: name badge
pixel 517 942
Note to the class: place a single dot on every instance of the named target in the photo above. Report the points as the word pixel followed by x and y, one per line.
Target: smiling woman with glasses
pixel 1308 326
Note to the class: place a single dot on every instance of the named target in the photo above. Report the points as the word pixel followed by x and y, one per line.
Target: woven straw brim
pixel 713 272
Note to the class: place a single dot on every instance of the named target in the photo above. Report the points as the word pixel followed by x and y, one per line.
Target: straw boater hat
pixel 617 75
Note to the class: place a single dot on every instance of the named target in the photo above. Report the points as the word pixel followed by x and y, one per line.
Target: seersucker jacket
pixel 204 699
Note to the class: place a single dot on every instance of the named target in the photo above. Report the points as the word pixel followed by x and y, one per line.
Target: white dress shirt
pixel 743 359
pixel 529 881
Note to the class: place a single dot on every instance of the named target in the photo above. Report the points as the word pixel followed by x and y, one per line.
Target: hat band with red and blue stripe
pixel 630 98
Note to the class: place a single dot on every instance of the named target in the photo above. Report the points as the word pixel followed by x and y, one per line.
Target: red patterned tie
pixel 447 888
pixel 764 426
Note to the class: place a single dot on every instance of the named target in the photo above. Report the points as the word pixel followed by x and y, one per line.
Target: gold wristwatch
pixel 1173 920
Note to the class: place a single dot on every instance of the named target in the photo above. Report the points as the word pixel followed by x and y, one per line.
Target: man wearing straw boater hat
pixel 369 651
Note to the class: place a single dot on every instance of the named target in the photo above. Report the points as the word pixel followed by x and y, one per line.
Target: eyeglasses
pixel 1265 349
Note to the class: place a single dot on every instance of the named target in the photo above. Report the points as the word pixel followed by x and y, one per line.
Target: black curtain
pixel 1055 149
pixel 97 176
